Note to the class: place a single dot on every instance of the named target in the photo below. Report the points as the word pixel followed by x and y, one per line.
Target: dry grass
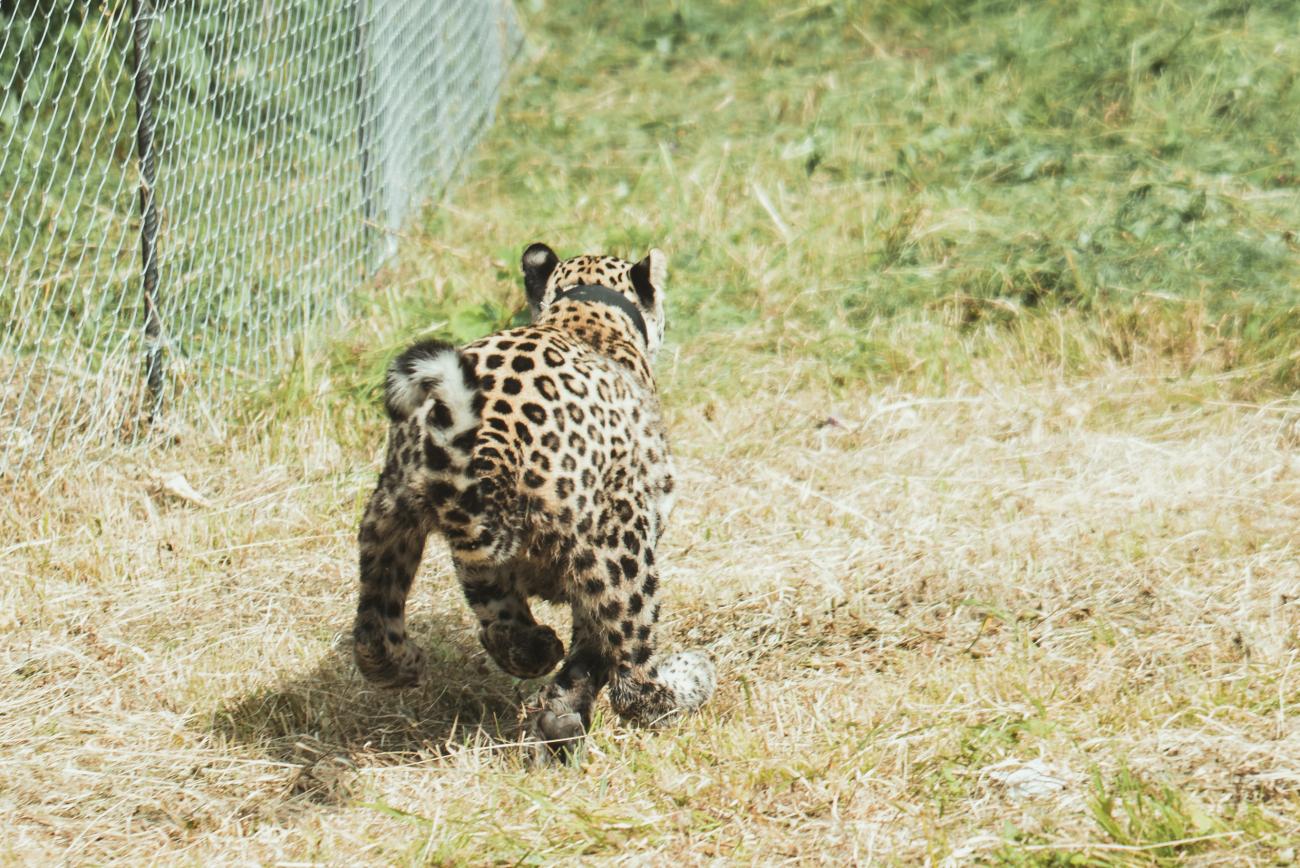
pixel 903 593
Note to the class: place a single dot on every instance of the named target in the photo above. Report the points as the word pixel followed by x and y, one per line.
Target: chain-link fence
pixel 186 187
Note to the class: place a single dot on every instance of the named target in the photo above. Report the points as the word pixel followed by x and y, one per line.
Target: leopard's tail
pixel 471 471
pixel 434 369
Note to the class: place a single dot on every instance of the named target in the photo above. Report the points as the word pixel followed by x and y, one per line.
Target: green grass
pixel 988 165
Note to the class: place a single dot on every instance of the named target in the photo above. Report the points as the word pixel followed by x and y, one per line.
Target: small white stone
pixel 1028 780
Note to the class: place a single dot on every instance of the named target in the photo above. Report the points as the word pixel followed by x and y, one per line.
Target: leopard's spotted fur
pixel 539 454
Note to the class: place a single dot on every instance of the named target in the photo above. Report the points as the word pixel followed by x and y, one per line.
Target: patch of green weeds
pixel 1165 823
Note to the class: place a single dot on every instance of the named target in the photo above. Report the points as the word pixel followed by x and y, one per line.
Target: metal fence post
pixel 142 15
pixel 369 207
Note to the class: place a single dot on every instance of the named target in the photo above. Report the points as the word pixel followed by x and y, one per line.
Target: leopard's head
pixel 546 277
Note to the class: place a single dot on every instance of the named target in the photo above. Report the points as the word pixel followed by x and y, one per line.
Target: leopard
pixel 540 455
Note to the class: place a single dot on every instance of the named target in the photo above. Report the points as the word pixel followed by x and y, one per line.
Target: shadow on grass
pixel 332 711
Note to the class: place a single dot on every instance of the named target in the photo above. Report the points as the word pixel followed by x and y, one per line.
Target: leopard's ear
pixel 538 263
pixel 649 276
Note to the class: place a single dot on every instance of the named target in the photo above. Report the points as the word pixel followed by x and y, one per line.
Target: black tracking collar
pixel 611 297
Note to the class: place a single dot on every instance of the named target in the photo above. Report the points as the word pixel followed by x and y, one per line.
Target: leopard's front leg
pixel 558 721
pixel 615 612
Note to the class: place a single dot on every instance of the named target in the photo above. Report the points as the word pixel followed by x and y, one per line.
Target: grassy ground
pixel 981 356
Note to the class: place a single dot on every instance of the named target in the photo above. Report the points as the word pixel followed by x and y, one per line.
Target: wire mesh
pixel 286 136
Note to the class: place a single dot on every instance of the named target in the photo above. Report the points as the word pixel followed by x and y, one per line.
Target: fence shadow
pixel 330 711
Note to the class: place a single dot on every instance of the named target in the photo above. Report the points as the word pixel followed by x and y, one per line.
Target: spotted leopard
pixel 539 454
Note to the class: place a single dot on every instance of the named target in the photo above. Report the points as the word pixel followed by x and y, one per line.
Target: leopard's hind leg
pixel 507 629
pixel 391 542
